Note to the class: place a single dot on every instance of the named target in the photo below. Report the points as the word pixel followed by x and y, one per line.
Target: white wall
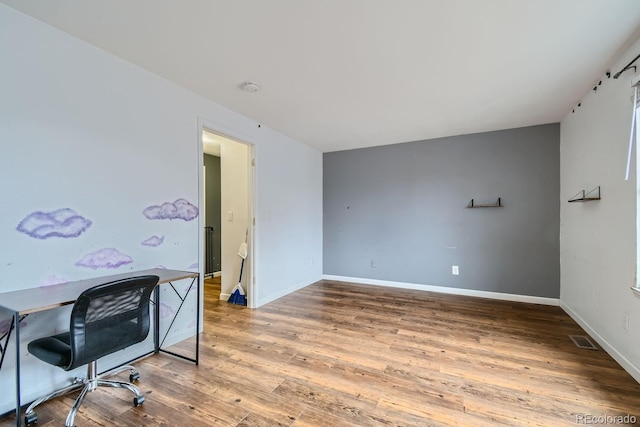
pixel 287 258
pixel 598 239
pixel 82 129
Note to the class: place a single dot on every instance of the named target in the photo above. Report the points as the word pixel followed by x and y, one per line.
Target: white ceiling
pixel 341 74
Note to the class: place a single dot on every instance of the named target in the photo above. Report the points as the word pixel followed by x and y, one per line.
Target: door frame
pixel 204 124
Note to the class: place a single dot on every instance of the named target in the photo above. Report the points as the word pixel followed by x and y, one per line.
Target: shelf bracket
pixel 497 204
pixel 584 196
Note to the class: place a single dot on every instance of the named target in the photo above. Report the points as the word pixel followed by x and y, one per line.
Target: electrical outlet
pixel 373 263
pixel 625 321
pixel 455 270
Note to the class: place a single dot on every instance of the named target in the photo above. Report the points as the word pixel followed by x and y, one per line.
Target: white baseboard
pixel 626 364
pixel 445 290
pixel 272 297
pixel 175 338
pixel 283 292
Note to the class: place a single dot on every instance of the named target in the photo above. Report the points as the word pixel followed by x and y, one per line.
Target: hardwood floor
pixel 336 354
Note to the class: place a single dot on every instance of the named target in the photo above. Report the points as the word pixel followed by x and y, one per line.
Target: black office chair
pixel 104 319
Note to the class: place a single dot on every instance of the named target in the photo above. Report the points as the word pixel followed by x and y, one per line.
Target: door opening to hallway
pixel 227 181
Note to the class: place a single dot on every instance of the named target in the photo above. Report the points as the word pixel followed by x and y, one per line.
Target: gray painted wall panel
pixel 404 207
pixel 213 212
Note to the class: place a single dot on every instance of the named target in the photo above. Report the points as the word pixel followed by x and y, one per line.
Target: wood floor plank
pixel 314 418
pixel 340 354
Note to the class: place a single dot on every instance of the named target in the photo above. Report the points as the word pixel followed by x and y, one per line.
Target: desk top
pixel 33 300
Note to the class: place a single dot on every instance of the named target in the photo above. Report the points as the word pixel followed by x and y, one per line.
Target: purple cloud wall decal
pixel 153 241
pixel 5 325
pixel 64 223
pixel 166 310
pixel 104 258
pixel 180 209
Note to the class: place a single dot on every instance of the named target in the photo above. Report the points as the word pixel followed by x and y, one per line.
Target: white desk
pixel 28 301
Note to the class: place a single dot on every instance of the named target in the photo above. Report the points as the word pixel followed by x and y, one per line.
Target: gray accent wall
pixel 213 212
pixel 399 212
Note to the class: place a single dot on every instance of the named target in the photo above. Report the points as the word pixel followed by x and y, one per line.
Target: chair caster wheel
pixel 30 419
pixel 133 377
pixel 138 400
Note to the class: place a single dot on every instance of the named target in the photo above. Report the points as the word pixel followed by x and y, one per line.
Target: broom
pixel 238 295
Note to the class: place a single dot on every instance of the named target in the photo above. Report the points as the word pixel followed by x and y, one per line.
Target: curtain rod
pixel 629 65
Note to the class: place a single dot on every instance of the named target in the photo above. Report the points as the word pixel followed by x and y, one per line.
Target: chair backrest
pixel 110 317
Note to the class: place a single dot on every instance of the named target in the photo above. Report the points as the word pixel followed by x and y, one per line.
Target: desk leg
pixel 156 327
pixel 198 321
pixel 16 322
pixel 158 343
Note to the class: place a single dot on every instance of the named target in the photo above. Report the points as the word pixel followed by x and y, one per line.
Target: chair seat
pixel 54 350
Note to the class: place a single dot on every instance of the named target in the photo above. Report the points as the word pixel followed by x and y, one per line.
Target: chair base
pixel 92 382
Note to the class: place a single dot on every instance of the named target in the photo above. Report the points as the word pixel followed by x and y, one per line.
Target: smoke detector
pixel 250 87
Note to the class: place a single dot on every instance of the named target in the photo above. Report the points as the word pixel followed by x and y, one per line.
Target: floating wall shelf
pixel 584 196
pixel 498 204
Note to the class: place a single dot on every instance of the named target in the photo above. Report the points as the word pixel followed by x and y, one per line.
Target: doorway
pixel 227 214
pixel 212 206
